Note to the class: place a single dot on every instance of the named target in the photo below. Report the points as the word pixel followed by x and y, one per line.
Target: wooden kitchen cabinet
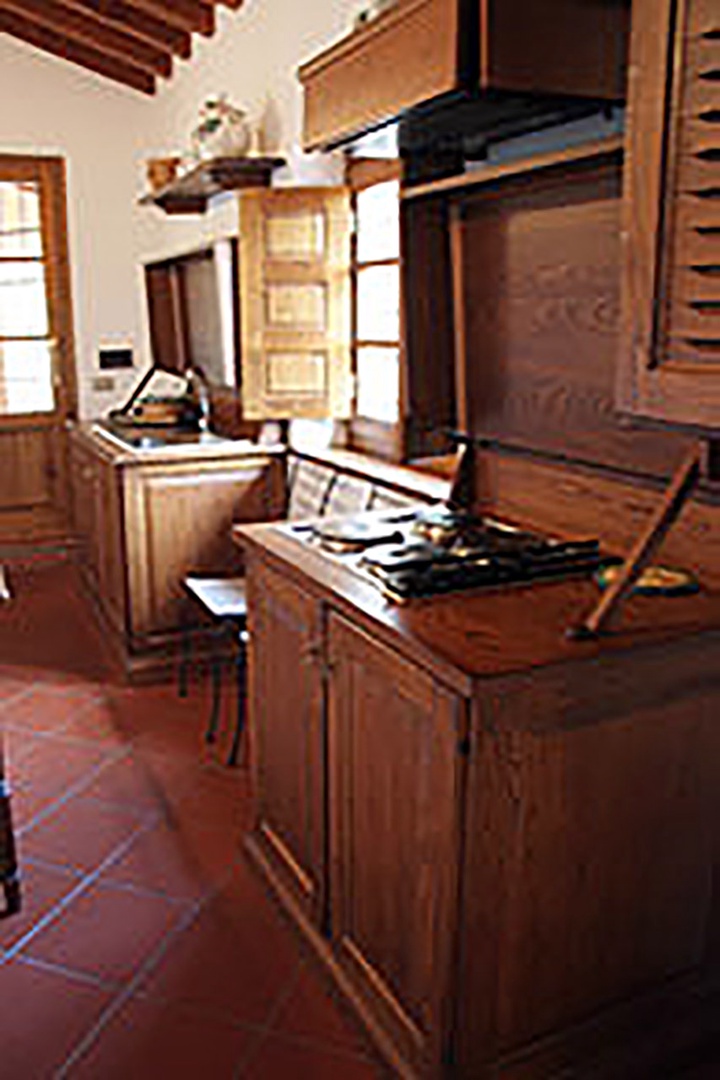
pixel 145 521
pixel 396 742
pixel 501 845
pixel 420 50
pixel 286 703
pixel 405 56
pixel 670 348
pixel 178 521
pixel 96 510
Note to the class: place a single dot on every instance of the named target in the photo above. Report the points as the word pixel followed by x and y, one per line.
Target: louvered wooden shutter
pixel 295 302
pixel 673 212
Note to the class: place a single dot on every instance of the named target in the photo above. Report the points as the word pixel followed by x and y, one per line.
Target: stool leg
pixel 184 662
pixel 241 672
pixel 211 733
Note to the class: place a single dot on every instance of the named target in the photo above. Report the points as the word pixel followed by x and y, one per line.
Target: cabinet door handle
pixel 311 653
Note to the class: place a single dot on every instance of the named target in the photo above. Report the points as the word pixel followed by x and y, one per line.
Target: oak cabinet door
pixel 287 735
pixel 177 522
pixel 670 359
pixel 84 478
pixel 396 776
pixel 295 302
pixel 108 542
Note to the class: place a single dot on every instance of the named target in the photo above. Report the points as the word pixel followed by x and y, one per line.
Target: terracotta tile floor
pixel 146 947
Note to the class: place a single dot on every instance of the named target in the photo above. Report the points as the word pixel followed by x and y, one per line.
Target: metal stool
pixel 9 875
pixel 223 600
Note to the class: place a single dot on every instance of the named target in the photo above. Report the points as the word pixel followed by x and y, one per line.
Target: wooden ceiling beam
pixel 57 17
pixel 83 55
pixel 195 16
pixel 121 16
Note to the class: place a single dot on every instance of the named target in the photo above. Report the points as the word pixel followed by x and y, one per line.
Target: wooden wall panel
pixel 581 501
pixel 541 281
pixel 26 467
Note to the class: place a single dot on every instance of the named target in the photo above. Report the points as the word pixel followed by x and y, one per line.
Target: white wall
pixel 106 131
pixel 253 59
pixel 53 107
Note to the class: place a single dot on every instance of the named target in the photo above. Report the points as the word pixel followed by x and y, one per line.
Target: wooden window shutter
pixel 295 303
pixel 692 253
pixel 672 215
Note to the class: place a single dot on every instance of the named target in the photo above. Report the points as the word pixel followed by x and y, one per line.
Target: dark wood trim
pixel 361 173
pixel 60 45
pixel 123 16
pixel 493 174
pixel 191 193
pixel 85 30
pixel 193 15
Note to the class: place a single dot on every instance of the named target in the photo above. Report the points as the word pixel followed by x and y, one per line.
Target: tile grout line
pixel 113 883
pixel 18 696
pixel 126 993
pixel 253 1052
pixel 150 963
pixel 75 789
pixel 73 974
pixel 82 886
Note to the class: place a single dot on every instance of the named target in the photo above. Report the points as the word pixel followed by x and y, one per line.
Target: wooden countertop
pixel 471 636
pixel 110 447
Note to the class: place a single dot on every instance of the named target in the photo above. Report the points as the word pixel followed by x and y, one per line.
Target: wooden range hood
pixel 444 66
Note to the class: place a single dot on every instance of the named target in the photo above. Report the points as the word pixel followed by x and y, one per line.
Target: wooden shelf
pixel 190 193
pixel 492 174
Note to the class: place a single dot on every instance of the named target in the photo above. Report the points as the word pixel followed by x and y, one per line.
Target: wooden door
pixel 37 379
pixel 295 303
pixel 396 780
pixel 670 359
pixel 287 737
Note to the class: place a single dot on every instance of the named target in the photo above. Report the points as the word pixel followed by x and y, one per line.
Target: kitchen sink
pixel 161 439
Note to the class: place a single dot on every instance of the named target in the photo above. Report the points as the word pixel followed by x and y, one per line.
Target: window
pixel 376 316
pixel 26 338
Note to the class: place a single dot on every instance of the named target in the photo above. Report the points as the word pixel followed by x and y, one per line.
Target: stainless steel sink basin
pixel 164 439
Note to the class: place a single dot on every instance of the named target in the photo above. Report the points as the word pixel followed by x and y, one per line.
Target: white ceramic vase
pixel 223 131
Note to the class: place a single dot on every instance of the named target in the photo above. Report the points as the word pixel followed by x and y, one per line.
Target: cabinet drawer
pixel 405 56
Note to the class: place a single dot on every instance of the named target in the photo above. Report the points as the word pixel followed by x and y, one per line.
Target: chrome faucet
pixel 198 385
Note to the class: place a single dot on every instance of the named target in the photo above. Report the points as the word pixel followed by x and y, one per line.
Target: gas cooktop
pixel 427 551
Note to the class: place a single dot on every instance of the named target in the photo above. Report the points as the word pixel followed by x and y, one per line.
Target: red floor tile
pixel 42 1018
pixel 281 1060
pixel 313 1012
pixel 43 887
pixel 148 781
pixel 81 834
pixel 44 709
pixel 97 722
pixel 237 957
pixel 107 933
pixel 150 1040
pixel 174 862
pixel 54 764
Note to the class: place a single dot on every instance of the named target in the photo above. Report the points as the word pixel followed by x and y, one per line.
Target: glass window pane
pixel 23 306
pixel 20 219
pixel 26 383
pixel 378 222
pixel 378 383
pixel 378 303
